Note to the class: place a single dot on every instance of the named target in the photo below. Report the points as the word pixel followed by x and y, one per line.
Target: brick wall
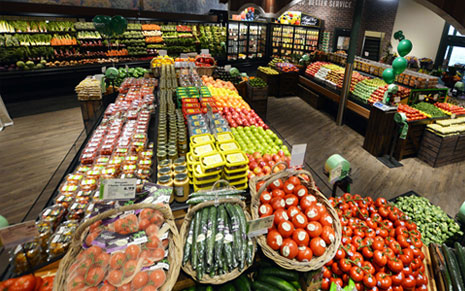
pixel 377 16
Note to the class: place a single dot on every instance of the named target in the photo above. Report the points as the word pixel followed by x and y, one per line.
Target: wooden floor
pixel 30 152
pixel 298 122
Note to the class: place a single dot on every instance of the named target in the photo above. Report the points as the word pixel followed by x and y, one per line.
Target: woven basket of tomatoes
pixel 306 232
pixel 380 248
pixel 205 65
pixel 216 246
pixel 128 248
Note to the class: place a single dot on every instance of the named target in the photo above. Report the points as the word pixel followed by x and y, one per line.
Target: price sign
pixel 127 69
pixel 183 56
pixel 335 174
pixel 259 226
pixel 14 235
pixel 104 69
pixel 227 68
pixel 452 116
pixel 204 51
pixel 162 52
pixel 118 189
pixel 298 155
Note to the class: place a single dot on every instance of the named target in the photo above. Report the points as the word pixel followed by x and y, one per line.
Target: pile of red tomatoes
pixel 380 247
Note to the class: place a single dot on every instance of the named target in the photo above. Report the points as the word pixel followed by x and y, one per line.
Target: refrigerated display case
pixel 246 40
pixel 291 39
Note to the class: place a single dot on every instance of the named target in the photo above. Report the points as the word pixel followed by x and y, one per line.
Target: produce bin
pixel 255 94
pixel 272 81
pixel 287 83
pixel 437 151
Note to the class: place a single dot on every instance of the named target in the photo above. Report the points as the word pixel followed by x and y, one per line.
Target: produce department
pixel 190 173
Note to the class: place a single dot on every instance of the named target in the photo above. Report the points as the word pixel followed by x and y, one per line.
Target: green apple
pixel 278 142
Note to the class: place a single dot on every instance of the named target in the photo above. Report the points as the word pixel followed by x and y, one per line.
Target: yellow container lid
pixel 200 139
pixel 200 175
pixel 224 136
pixel 201 150
pixel 212 161
pixel 228 146
pixel 200 183
pixel 235 159
pixel 239 183
pixel 206 186
pixel 242 172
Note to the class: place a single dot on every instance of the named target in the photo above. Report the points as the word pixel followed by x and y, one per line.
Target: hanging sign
pixel 309 20
pixel 298 155
pixel 343 4
pixel 259 226
pixel 118 189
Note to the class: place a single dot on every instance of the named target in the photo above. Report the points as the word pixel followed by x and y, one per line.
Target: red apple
pixel 281 153
pixel 253 165
pixel 267 157
pixel 271 163
pixel 257 155
pixel 267 170
pixel 277 169
pixel 276 158
pixel 257 170
pixel 262 164
pixel 250 175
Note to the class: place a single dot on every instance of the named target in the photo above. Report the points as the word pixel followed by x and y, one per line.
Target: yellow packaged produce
pixel 234 179
pixel 200 139
pixel 239 185
pixel 225 137
pixel 198 175
pixel 235 160
pixel 201 150
pixel 212 162
pixel 228 146
pixel 237 172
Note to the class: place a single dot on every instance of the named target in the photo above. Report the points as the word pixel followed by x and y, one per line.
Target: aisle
pixel 30 152
pixel 298 122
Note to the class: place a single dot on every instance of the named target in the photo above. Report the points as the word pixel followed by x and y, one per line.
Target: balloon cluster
pixel 110 26
pixel 400 63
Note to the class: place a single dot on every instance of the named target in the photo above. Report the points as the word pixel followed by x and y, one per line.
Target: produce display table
pixel 272 81
pixel 438 151
pixel 287 83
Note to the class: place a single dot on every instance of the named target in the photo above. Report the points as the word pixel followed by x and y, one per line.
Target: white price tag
pixel 335 174
pixel 104 69
pixel 204 51
pixel 162 52
pixel 183 56
pixel 452 116
pixel 14 235
pixel 227 68
pixel 119 189
pixel 127 69
pixel 298 155
pixel 259 226
pixel 396 99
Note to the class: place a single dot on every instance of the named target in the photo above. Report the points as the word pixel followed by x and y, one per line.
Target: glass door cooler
pixel 246 40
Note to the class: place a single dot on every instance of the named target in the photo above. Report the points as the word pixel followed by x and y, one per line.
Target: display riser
pixel 272 81
pixel 439 151
pixel 410 146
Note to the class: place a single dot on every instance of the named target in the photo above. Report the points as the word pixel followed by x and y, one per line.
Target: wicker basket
pixel 174 249
pixel 184 231
pixel 316 262
pixel 208 71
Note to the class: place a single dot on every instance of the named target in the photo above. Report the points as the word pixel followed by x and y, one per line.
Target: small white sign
pixel 259 226
pixel 119 189
pixel 452 116
pixel 183 56
pixel 335 174
pixel 298 155
pixel 104 69
pixel 396 99
pixel 14 235
pixel 127 69
pixel 204 51
pixel 227 68
pixel 162 52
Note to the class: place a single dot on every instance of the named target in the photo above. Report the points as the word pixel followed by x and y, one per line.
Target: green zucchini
pixel 296 285
pixel 460 252
pixel 196 222
pixel 279 283
pixel 237 245
pixel 188 245
pixel 227 287
pixel 219 237
pixel 209 288
pixel 453 268
pixel 211 234
pixel 242 283
pixel 447 279
pixel 227 242
pixel 262 286
pixel 201 244
pixel 280 273
pixel 243 233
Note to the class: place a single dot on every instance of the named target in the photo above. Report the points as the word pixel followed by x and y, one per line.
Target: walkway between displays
pixel 298 122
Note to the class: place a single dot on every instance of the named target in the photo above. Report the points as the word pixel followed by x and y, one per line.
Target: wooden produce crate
pixel 272 81
pixel 288 83
pixel 91 110
pixel 255 94
pixel 410 146
pixel 438 151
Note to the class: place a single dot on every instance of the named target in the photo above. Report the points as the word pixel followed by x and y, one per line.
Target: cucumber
pixel 222 192
pixel 201 244
pixel 279 283
pixel 296 285
pixel 280 273
pixel 460 253
pixel 237 245
pixel 243 233
pixel 227 242
pixel 200 199
pixel 447 279
pixel 196 222
pixel 249 252
pixel 211 235
pixel 262 286
pixel 453 268
pixel 219 237
pixel 242 283
pixel 209 288
pixel 190 289
pixel 188 245
pixel 227 287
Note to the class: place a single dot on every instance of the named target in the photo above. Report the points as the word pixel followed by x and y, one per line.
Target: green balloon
pixel 404 47
pixel 399 65
pixel 118 24
pixel 111 73
pixel 393 88
pixel 102 24
pixel 3 222
pixel 389 75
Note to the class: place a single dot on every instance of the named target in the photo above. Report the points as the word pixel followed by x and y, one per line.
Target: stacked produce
pixel 160 61
pixel 450 109
pixel 274 61
pixel 268 70
pixel 84 26
pixel 242 117
pixel 433 223
pixel 411 113
pixel 256 139
pixel 429 110
pixel 89 89
pixel 261 165
pixel 448 127
pixel 286 67
pixel 28 282
pixel 211 37
pixel 313 68
pixel 257 82
pixel 368 87
pixel 35 26
pixel 224 94
pixel 88 35
pixel 335 77
pixel 136 72
pixel 450 265
pixel 380 247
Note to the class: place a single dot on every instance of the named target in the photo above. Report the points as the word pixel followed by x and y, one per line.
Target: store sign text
pixel 330 3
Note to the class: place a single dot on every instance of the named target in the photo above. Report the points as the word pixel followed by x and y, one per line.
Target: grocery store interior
pixel 232 145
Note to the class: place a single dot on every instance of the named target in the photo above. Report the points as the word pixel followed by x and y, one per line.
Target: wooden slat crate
pixel 438 151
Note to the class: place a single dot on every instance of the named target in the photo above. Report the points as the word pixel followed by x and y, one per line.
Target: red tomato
pixel 77 283
pixel 301 237
pixel 259 184
pixel 278 193
pixel 321 208
pixel 289 249
pixel 325 284
pixel 277 203
pixel 129 268
pixel 328 235
pixel 379 258
pixel 369 281
pixel 301 191
pixel 294 180
pixel 421 280
pixel 153 241
pixel 24 283
pixel 398 278
pixel 289 187
pixel 314 229
pixel 312 212
pixel 276 184
pixel 395 265
pixel 274 239
pixel 318 246
pixel 326 219
pixel 292 211
pixel 384 281
pixel 280 215
pixel 158 277
pixel 291 200
pixel 409 282
pixel 286 228
pixel 94 276
pixel 102 260
pixel 115 277
pixel 117 260
pixel 356 274
pixel 340 253
pixel 305 254
pixel 132 252
pixel 265 197
pixel 265 210
pixel 306 201
pixel 140 280
pixel 300 220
